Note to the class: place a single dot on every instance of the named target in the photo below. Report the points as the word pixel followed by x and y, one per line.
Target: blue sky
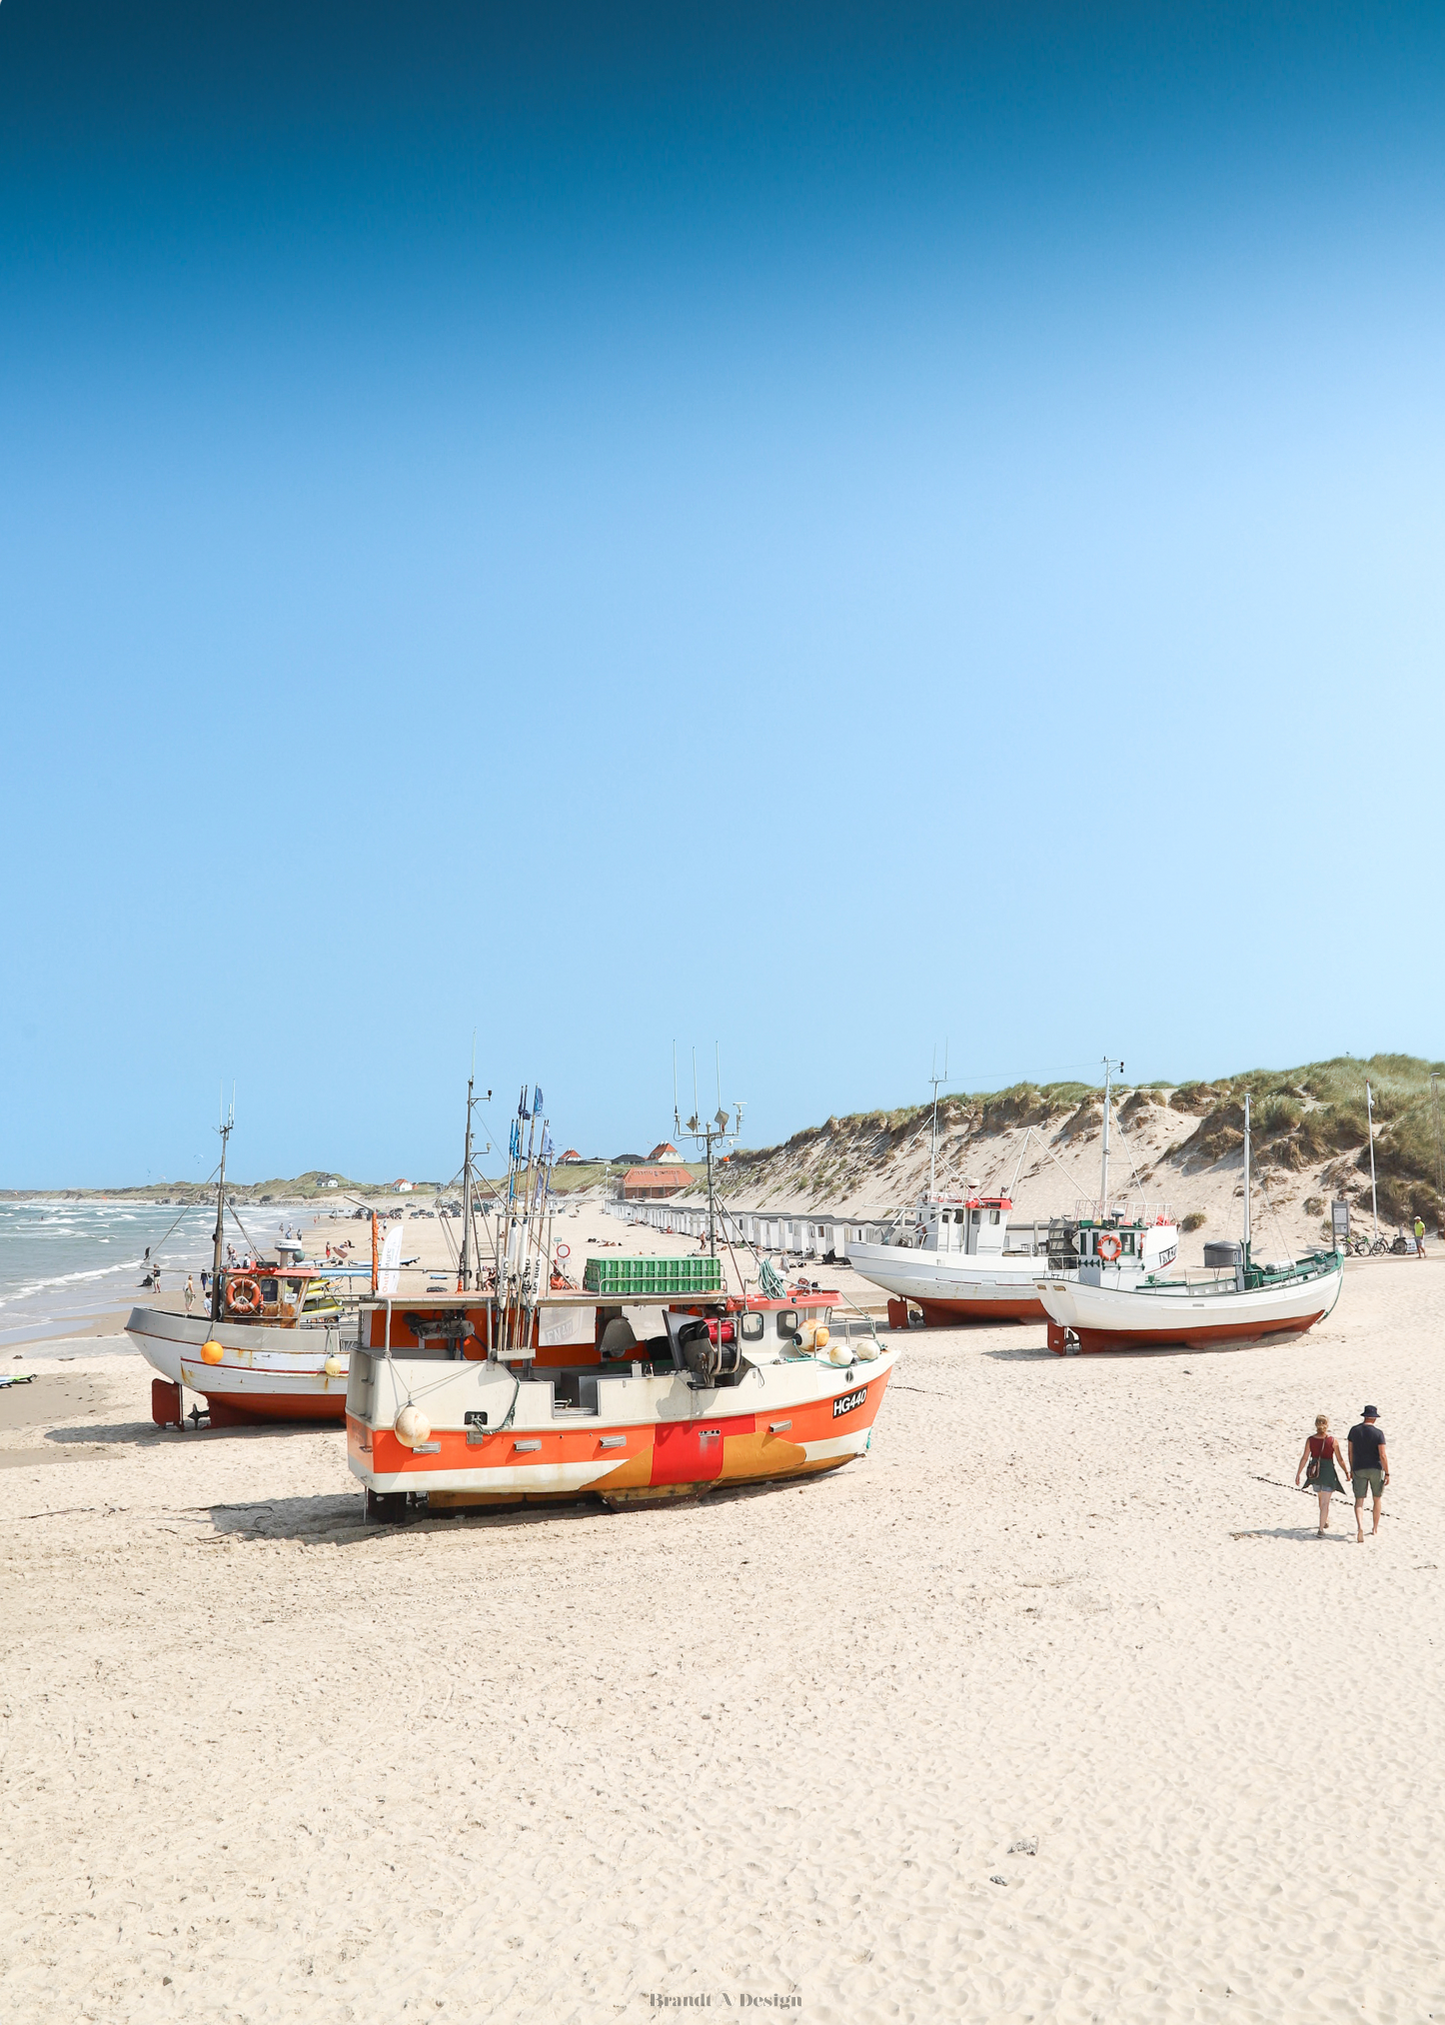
pixel 819 529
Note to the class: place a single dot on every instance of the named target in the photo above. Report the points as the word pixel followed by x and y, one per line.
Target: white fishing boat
pixel 1231 1303
pixel 951 1256
pixel 274 1347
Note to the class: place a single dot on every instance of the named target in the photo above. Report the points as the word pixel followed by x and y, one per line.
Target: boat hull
pixel 951 1290
pixel 266 1374
pixel 1098 1318
pixel 651 1439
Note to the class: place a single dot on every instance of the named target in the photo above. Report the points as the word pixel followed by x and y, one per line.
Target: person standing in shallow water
pixel 1369 1467
pixel 1320 1454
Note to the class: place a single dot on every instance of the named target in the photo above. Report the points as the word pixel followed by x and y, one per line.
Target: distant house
pixel 651 1184
pixel 664 1156
pixel 331 1182
pixel 403 1187
pixel 571 1158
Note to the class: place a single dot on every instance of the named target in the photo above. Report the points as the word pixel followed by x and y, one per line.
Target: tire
pixel 1399 1248
pixel 1378 1249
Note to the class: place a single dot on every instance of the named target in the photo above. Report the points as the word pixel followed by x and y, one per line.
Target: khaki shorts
pixel 1369 1480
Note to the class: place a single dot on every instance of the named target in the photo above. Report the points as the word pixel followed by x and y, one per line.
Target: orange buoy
pixel 212 1353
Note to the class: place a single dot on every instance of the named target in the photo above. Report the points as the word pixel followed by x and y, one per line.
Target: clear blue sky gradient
pixel 928 519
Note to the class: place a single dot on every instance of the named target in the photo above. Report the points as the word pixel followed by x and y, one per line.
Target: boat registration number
pixel 846 1401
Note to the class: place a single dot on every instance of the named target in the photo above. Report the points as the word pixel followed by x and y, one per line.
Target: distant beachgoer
pixel 156 1278
pixel 205 1285
pixel 1419 1237
pixel 1317 1463
pixel 190 1293
pixel 1369 1466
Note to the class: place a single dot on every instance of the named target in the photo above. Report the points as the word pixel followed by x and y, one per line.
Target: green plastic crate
pixel 653 1276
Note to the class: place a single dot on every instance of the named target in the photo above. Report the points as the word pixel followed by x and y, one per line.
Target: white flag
pixel 386 1277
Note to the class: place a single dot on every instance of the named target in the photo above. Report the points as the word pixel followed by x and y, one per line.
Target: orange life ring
pixel 1110 1239
pixel 244 1296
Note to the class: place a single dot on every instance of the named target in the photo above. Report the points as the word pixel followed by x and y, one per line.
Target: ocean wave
pixel 28 1293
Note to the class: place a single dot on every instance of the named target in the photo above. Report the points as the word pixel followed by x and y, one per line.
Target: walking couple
pixel 1368 1467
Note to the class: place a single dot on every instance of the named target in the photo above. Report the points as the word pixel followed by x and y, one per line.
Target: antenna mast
pixel 225 1128
pixel 935 1079
pixel 464 1261
pixel 715 1130
pixel 1246 1177
pixel 1110 1070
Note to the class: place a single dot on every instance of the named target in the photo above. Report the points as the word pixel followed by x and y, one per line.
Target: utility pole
pixel 1439 1157
pixel 1374 1197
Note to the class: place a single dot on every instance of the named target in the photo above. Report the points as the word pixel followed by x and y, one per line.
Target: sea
pixel 64 1264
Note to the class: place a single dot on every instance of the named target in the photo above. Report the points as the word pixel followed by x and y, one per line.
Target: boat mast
pixel 1439 1157
pixel 464 1264
pixel 1246 1177
pixel 1374 1197
pixel 1109 1070
pixel 935 1079
pixel 224 1129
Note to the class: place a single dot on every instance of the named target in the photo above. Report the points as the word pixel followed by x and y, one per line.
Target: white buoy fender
pixel 839 1352
pixel 412 1426
pixel 333 1367
pixel 866 1347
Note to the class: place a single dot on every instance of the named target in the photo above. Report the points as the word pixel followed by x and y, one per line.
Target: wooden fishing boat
pixel 1232 1304
pixel 481 1400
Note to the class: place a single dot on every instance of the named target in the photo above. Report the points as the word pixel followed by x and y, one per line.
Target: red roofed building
pixel 650 1184
pixel 665 1156
pixel 570 1157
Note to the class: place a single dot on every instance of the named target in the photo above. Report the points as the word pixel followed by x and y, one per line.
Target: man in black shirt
pixel 1369 1466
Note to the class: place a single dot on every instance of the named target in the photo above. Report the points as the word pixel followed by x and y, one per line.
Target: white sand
pixel 776 1743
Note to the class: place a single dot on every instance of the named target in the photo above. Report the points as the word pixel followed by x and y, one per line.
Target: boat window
pixel 993 1216
pixel 788 1322
pixel 268 1290
pixel 293 1287
pixel 752 1328
pixel 976 1216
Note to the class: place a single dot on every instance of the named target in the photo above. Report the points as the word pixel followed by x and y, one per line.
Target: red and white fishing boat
pixel 951 1261
pixel 289 1361
pixel 1095 1303
pixel 951 1257
pixel 487 1399
pixel 275 1346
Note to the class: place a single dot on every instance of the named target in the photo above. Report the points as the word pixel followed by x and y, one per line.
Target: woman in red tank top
pixel 1319 1455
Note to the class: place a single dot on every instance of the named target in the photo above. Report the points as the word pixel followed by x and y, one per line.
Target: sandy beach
pixel 1054 1708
